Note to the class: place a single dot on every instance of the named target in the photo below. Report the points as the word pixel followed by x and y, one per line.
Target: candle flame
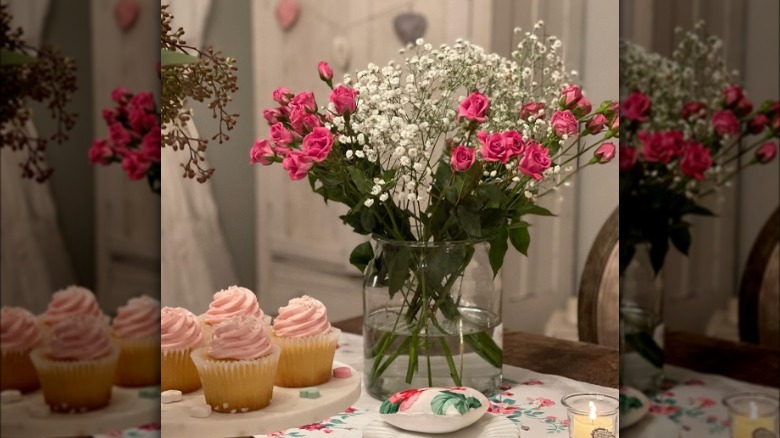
pixel 592 414
pixel 753 410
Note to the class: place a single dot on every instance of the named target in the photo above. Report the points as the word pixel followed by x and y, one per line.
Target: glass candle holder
pixel 753 415
pixel 591 415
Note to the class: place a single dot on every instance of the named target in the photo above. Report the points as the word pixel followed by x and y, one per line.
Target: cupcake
pixel 230 302
pixel 237 369
pixel 76 368
pixel 180 333
pixel 136 329
pixel 73 300
pixel 19 334
pixel 308 343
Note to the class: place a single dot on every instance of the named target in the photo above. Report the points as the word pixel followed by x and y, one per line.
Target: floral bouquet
pixel 436 157
pixel 687 129
pixel 133 137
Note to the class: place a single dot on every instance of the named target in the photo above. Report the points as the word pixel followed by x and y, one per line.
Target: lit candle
pixel 591 415
pixel 753 415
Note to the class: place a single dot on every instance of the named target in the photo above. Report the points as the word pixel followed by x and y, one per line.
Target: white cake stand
pixel 286 410
pixel 126 409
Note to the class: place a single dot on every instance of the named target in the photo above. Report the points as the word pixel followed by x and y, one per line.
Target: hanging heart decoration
pixel 287 12
pixel 125 14
pixel 410 26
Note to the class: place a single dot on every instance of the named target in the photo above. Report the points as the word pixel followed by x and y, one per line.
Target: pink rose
pixel 135 165
pixel 150 122
pixel 766 152
pixel 282 95
pixel 627 158
pixel 304 100
pixel 272 115
pixel 605 153
pixel 462 158
pixel 744 107
pixel 661 147
pixel 596 124
pixel 725 123
pixel 570 96
pixel 535 109
pixel 297 165
pixel 545 403
pixel 109 115
pixel 261 152
pixel 535 161
pixel 693 110
pixel 564 123
pixel 344 100
pixel 143 100
pixel 493 147
pixel 406 398
pixel 120 94
pixel 513 143
pixel 318 144
pixel 118 134
pixel 474 107
pixel 757 124
pixel 636 107
pixel 732 95
pixel 582 108
pixel 100 152
pixel 150 146
pixel 280 135
pixel 137 117
pixel 326 74
pixel 615 126
pixel 696 160
pixel 302 120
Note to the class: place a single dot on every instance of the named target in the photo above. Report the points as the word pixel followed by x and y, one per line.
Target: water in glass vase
pixel 442 354
pixel 643 356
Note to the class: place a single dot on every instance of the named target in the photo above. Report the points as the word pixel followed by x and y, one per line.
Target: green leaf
pixel 360 179
pixel 469 220
pixel 473 403
pixel 441 402
pixel 367 220
pixel 498 248
pixel 645 346
pixel 398 269
pixel 680 236
pixel 389 408
pixel 8 57
pixel 170 57
pixel 539 211
pixel 361 256
pixel 519 224
pixel 520 238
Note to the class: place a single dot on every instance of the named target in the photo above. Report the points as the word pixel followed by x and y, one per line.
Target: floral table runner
pixel 692 401
pixel 530 399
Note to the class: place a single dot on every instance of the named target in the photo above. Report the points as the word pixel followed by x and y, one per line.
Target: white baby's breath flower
pixel 369 202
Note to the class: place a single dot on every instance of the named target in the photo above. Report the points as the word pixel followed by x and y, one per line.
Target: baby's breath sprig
pixel 212 79
pixel 40 74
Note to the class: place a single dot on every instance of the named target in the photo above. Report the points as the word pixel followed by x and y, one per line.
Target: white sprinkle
pixel 170 396
pixel 201 411
pixel 10 396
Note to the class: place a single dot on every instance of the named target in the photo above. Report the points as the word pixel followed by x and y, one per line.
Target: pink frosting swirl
pixel 81 337
pixel 73 300
pixel 137 319
pixel 303 316
pixel 240 337
pixel 233 301
pixel 179 329
pixel 19 329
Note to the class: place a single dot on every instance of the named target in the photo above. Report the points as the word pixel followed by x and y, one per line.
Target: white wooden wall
pixel 127 213
pixel 702 283
pixel 302 245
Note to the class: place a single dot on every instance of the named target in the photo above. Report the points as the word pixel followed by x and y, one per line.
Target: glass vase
pixel 641 324
pixel 432 317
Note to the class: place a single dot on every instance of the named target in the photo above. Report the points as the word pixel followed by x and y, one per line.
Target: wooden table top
pixel 576 360
pixel 737 360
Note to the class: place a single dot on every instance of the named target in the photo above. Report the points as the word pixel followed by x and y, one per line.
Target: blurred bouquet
pixel 687 128
pixel 133 137
pixel 452 144
pixel 39 74
pixel 204 76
